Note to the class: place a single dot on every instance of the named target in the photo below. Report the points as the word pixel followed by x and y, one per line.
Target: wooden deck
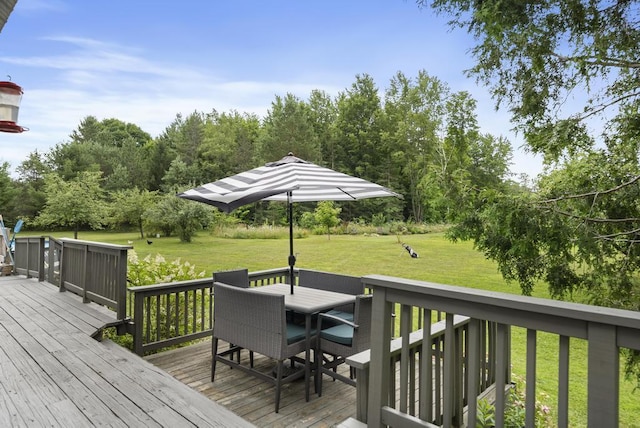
pixel 253 399
pixel 53 373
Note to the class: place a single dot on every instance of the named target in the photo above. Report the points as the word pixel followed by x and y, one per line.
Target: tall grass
pixel 439 261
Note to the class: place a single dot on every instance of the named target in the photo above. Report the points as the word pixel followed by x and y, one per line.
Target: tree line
pixel 416 137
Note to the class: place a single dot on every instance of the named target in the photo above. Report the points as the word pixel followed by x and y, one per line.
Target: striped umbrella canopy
pixel 290 179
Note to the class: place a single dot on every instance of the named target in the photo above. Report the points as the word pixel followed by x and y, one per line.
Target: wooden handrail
pixel 606 330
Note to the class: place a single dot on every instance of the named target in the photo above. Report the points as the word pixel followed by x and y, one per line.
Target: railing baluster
pixel 449 382
pixel 530 395
pixel 426 371
pixel 458 389
pixel 475 365
pixel 185 322
pixel 501 375
pixel 194 325
pixel 147 301
pixel 563 382
pixel 439 384
pixel 405 329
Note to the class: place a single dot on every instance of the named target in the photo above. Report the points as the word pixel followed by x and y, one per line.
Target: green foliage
pixel 307 220
pixel 579 231
pixel 378 219
pixel 419 131
pixel 326 215
pixel 157 270
pixel 486 417
pixel 7 191
pixel 175 215
pixel 536 55
pixel 129 206
pixel 288 127
pixel 515 415
pixel 30 185
pixel 74 203
pixel 260 232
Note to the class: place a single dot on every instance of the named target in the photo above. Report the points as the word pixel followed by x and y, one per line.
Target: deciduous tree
pixel 75 203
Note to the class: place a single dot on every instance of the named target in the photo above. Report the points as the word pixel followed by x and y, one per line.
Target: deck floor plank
pixel 69 373
pixel 253 399
pixel 88 317
pixel 54 374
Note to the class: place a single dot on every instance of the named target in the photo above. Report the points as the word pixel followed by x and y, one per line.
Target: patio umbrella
pixel 290 179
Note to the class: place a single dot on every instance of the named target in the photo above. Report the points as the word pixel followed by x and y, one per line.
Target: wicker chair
pixel 343 339
pixel 255 321
pixel 333 282
pixel 237 278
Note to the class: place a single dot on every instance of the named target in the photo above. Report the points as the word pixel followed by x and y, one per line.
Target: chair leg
pixel 278 384
pixel 214 352
pixel 319 380
pixel 251 359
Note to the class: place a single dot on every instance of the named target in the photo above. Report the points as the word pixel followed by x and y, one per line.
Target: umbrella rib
pixel 347 193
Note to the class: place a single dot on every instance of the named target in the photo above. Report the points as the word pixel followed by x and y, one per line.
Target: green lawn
pixel 440 261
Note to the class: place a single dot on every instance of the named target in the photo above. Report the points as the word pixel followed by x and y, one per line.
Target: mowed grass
pixel 440 261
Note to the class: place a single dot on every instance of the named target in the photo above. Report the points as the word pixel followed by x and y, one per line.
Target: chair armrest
pixel 337 319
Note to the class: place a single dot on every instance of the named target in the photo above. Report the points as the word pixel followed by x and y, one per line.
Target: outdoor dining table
pixel 308 301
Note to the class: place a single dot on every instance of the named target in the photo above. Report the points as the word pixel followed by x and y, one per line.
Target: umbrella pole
pixel 292 257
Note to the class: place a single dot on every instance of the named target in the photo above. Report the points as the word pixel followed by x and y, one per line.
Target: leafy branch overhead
pixel 568 72
pixel 554 64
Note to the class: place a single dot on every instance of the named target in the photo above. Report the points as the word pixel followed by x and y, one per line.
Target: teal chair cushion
pixel 341 333
pixel 296 333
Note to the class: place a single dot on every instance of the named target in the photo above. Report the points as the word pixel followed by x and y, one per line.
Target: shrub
pixel 155 270
pixel 515 410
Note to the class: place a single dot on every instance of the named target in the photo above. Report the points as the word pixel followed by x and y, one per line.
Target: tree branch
pixel 598 220
pixel 595 193
pixel 604 62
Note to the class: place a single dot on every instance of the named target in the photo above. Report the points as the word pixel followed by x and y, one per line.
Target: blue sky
pixel 144 61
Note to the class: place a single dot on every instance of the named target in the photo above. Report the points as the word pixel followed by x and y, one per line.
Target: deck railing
pixel 29 257
pixel 605 330
pixel 178 312
pixel 406 370
pixel 95 271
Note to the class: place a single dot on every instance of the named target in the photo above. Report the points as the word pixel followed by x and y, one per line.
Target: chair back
pixel 330 281
pixel 362 317
pixel 250 319
pixel 237 277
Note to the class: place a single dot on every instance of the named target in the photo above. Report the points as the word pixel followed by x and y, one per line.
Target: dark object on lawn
pixel 149 242
pixel 413 254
